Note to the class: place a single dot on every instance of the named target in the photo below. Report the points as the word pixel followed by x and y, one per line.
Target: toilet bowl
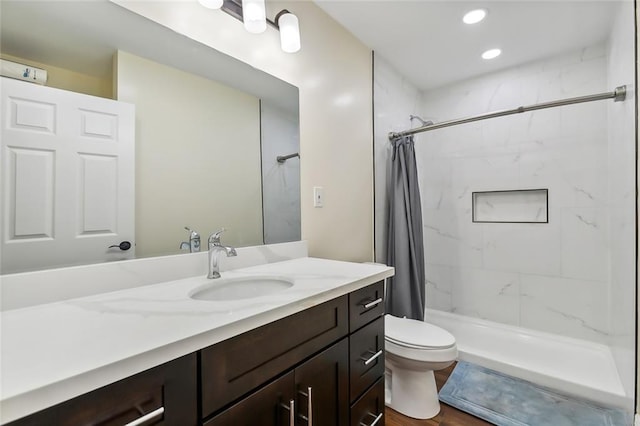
pixel 414 349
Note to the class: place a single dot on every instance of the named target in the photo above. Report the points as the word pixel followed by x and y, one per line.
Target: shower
pixel 564 281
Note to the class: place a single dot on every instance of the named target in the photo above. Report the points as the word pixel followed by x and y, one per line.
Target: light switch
pixel 318 196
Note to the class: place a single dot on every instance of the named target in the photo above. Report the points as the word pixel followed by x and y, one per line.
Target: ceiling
pixel 427 42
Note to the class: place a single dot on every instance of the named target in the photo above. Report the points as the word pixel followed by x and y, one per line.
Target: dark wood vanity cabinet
pixel 341 385
pixel 271 404
pixel 234 367
pixel 368 410
pixel 164 395
pixel 366 356
pixel 315 392
pixel 323 366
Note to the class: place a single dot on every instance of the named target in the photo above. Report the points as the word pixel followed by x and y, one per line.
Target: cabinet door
pixel 270 406
pixel 322 387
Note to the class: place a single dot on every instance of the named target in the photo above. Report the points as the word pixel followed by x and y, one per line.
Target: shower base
pixel 572 366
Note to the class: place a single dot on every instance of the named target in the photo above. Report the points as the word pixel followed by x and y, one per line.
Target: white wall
pixel 280 181
pixel 621 154
pixel 333 74
pixel 71 80
pixel 197 157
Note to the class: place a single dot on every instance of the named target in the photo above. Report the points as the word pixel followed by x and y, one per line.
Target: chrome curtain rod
pixel 618 95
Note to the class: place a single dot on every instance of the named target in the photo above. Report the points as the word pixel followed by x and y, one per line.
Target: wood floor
pixel 448 416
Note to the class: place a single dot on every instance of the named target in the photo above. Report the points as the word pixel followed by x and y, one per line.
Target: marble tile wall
pixel 621 155
pixel 546 276
pixel 574 276
pixel 395 99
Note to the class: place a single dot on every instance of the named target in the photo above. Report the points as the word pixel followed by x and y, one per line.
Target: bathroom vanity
pixel 310 354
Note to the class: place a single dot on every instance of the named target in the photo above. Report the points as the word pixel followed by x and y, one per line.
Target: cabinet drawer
pixel 366 357
pixel 167 394
pixel 369 410
pixel 365 305
pixel 234 367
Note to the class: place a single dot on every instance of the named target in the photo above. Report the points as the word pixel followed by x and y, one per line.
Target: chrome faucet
pixel 214 249
pixel 193 245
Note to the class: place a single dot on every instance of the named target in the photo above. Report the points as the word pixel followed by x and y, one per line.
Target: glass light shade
pixel 474 16
pixel 211 4
pixel 254 16
pixel 289 32
pixel 491 53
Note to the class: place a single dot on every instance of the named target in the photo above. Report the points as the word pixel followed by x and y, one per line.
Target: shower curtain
pixel 405 249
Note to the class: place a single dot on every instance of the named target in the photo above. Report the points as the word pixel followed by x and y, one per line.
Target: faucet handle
pixel 215 237
pixel 192 233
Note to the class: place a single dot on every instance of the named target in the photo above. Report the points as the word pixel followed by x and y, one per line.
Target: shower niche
pixel 511 206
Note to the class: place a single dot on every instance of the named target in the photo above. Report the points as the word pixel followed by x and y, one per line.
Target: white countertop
pixel 53 352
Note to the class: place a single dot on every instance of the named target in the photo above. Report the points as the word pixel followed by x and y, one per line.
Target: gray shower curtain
pixel 405 249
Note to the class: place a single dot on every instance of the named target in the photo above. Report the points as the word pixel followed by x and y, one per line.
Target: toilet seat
pixel 414 334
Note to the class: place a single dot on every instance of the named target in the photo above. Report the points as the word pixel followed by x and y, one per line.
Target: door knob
pixel 124 246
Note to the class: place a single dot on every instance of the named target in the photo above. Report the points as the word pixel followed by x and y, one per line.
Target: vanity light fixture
pixel 252 13
pixel 491 53
pixel 254 16
pixel 289 28
pixel 211 4
pixel 474 16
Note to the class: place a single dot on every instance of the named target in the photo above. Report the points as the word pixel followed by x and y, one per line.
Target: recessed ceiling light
pixel 474 16
pixel 491 53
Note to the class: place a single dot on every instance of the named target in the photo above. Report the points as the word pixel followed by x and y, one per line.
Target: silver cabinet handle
pixel 376 355
pixel 152 415
pixel 372 304
pixel 309 418
pixel 309 407
pixel 292 412
pixel 375 422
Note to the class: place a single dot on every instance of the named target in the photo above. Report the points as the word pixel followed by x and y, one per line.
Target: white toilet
pixel 414 349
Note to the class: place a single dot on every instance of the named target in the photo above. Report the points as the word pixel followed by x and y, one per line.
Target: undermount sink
pixel 240 288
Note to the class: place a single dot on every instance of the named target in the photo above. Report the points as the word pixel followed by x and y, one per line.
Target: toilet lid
pixel 416 334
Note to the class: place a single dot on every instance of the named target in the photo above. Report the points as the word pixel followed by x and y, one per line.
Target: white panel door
pixel 67 191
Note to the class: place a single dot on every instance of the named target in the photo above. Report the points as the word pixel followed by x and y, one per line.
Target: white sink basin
pixel 240 288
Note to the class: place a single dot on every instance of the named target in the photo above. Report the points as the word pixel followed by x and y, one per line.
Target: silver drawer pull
pixel 309 407
pixel 152 415
pixel 376 355
pixel 309 397
pixel 375 422
pixel 372 304
pixel 292 412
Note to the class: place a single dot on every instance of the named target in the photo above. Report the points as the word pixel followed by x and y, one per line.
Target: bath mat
pixel 507 401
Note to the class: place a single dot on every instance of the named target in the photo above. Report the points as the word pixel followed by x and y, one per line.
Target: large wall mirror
pixel 205 131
